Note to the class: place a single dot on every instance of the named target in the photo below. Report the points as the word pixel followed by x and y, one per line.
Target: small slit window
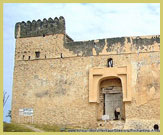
pixel 110 62
pixel 37 54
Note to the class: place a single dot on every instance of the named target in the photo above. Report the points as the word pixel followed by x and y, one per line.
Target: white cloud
pixel 93 20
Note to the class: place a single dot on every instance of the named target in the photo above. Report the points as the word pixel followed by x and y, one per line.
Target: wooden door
pixel 112 101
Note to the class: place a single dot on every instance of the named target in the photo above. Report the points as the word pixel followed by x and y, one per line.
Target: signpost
pixel 26 112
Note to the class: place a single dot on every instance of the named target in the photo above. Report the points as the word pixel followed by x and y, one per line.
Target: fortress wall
pixel 51 75
pixel 55 84
pixel 54 46
pixel 119 45
pixel 57 89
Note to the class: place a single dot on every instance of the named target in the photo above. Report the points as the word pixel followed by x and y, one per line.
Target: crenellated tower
pixel 40 39
pixel 40 28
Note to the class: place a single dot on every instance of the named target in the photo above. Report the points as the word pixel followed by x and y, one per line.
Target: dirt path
pixel 33 128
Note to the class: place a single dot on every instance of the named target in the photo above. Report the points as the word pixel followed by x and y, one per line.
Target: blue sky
pixel 83 22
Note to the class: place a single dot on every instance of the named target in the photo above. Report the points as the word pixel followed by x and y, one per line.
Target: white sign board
pixel 105 117
pixel 26 112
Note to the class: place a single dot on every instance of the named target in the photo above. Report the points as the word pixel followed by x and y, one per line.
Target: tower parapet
pixel 40 28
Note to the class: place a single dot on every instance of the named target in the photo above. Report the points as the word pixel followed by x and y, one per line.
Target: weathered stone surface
pixel 114 45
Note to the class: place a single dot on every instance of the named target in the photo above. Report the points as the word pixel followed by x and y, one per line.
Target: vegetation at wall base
pixel 48 128
pixel 13 127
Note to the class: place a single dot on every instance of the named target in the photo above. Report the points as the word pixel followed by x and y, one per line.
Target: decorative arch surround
pixel 96 75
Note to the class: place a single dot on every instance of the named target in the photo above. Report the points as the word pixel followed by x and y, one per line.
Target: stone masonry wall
pixel 57 88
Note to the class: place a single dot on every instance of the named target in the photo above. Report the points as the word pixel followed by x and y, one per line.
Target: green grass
pixel 48 128
pixel 54 128
pixel 12 127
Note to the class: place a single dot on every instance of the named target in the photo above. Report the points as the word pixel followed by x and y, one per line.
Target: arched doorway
pixel 111 98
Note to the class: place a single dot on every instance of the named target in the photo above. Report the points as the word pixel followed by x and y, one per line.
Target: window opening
pixel 110 62
pixel 37 54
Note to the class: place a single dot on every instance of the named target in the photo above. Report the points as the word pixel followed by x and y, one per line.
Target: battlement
pixel 40 28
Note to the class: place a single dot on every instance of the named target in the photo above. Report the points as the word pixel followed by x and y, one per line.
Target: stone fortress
pixel 80 83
